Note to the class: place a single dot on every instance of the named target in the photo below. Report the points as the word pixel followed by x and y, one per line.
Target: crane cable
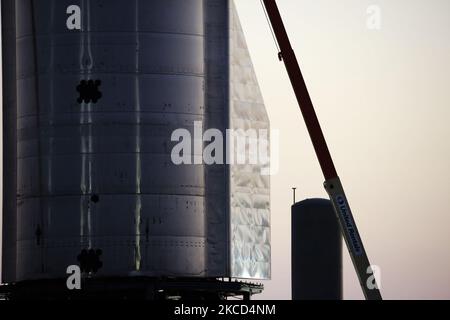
pixel 271 29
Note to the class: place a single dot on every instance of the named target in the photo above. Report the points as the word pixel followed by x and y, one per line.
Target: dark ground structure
pixel 316 251
pixel 135 288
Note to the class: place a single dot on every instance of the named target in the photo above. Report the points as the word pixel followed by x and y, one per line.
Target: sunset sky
pixel 383 100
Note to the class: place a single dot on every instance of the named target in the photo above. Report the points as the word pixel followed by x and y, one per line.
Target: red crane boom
pixel 332 183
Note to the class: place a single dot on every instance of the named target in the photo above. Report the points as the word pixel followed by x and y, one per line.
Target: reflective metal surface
pixel 96 108
pixel 9 141
pixel 99 175
pixel 217 117
pixel 237 196
pixel 249 186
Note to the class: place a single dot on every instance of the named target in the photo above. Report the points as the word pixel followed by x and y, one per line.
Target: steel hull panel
pixel 99 174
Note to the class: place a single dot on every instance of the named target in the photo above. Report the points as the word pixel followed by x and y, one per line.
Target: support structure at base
pixel 139 288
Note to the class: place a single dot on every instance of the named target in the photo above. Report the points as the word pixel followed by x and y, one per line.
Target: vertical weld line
pixel 38 128
pixel 82 74
pixel 227 30
pixel 138 204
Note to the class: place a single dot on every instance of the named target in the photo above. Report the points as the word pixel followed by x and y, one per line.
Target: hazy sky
pixel 383 98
